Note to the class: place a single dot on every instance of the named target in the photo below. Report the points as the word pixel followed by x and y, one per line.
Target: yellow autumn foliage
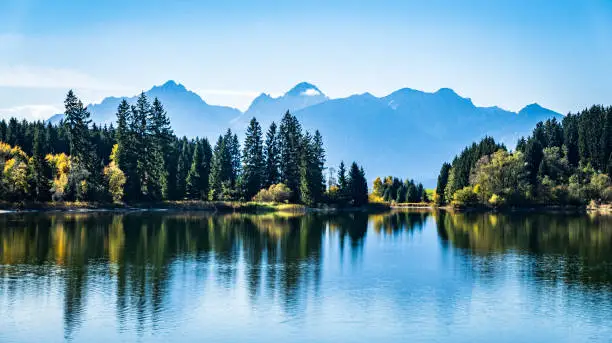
pixel 60 163
pixel 15 174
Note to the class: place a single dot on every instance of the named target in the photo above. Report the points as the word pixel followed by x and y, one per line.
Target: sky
pixel 503 53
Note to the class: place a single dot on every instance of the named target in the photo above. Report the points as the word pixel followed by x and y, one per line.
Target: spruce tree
pixel 140 142
pixel 182 169
pixel 160 142
pixel 194 179
pixel 253 160
pixel 357 186
pixel 221 169
pixel 40 171
pixel 442 182
pixel 290 138
pixel 271 153
pixel 76 120
pixel 126 154
pixel 342 180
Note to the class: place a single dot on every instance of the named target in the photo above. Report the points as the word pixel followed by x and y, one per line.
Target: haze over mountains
pixel 408 133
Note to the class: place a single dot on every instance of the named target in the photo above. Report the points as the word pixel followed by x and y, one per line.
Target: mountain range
pixel 408 133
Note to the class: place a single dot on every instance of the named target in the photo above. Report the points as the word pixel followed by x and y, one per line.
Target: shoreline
pixel 565 209
pixel 177 206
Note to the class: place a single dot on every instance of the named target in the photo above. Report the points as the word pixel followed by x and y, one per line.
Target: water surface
pixel 395 277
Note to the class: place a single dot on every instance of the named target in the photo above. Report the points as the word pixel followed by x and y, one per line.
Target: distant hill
pixel 189 113
pixel 408 133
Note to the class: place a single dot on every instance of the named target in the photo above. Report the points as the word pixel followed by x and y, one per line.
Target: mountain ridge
pixel 385 134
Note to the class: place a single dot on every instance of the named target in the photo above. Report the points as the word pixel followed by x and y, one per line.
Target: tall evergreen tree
pixel 76 120
pixel 342 180
pixel 570 138
pixel 126 154
pixel 290 139
pixel 182 169
pixel 357 186
pixel 253 160
pixel 442 182
pixel 158 139
pixel 221 169
pixel 40 172
pixel 271 154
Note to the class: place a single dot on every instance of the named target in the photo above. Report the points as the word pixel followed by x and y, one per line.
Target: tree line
pixel 393 189
pixel 140 159
pixel 561 162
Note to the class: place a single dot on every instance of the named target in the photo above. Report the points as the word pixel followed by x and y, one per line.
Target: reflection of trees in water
pixel 557 247
pixel 136 255
pixel 400 221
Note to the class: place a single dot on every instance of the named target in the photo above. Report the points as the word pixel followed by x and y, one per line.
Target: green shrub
pixel 465 197
pixel 275 193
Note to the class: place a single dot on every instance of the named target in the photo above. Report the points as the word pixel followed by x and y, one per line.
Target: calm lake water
pixel 396 277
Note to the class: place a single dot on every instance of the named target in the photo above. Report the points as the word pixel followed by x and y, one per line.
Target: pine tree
pixel 76 120
pixel 233 149
pixel 40 171
pixel 253 160
pixel 342 180
pixel 271 154
pixel 357 186
pixel 182 169
pixel 307 168
pixel 194 179
pixel 221 169
pixel 290 138
pixel 138 129
pixel 319 155
pixel 126 154
pixel 160 149
pixel 85 180
pixel 442 182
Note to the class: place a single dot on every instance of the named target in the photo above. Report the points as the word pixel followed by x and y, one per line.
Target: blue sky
pixel 505 53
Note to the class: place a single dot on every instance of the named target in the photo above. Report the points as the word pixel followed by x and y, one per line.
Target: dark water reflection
pixel 345 277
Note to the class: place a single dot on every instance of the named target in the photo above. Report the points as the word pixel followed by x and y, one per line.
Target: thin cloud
pixel 22 76
pixel 30 112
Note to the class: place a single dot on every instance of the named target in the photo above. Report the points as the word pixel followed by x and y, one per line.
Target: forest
pixel 139 159
pixel 566 162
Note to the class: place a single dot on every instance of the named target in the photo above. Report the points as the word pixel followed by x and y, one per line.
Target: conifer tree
pixel 221 169
pixel 342 180
pixel 40 171
pixel 159 149
pixel 253 160
pixel 126 154
pixel 77 121
pixel 290 138
pixel 357 186
pixel 182 169
pixel 194 179
pixel 140 142
pixel 271 154
pixel 442 182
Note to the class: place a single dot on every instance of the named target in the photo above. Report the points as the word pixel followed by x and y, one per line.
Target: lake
pixel 406 276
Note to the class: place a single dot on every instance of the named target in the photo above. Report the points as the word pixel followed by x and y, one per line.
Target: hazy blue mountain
pixel 408 133
pixel 267 108
pixel 189 114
